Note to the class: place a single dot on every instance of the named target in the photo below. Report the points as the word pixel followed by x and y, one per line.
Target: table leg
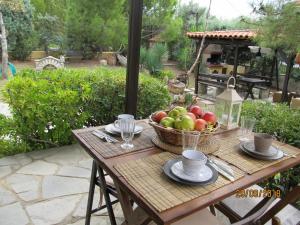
pixel 106 196
pixel 249 92
pixel 132 217
pixel 91 194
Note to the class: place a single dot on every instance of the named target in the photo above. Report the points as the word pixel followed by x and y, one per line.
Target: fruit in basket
pixel 158 116
pixel 167 122
pixel 184 122
pixel 200 124
pixel 210 118
pixel 177 111
pixel 192 116
pixel 196 110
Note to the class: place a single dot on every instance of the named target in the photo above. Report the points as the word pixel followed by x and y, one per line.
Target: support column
pixel 236 54
pixel 134 41
pixel 196 72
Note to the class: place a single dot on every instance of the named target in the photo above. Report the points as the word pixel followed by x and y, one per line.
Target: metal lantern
pixel 228 106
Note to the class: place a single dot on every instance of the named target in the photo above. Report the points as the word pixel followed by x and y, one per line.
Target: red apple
pixel 196 110
pixel 210 118
pixel 192 115
pixel 200 124
pixel 158 116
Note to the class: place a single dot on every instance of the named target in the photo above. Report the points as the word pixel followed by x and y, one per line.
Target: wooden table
pixel 174 214
pixel 248 82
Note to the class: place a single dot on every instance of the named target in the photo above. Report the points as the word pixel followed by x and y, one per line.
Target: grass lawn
pixel 2 84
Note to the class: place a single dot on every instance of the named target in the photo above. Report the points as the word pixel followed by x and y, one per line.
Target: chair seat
pixel 202 217
pixel 241 206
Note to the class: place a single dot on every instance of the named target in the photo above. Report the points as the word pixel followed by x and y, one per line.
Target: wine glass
pixel 127 127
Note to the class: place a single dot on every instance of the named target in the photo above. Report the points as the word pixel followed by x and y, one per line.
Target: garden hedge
pixel 47 105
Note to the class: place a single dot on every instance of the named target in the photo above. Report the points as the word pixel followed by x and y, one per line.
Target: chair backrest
pixel 253 218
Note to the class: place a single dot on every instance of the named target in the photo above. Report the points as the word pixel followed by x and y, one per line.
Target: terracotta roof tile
pixel 224 34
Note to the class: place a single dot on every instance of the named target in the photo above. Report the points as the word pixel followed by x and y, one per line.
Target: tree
pixel 158 15
pixel 4 48
pixel 277 27
pixel 49 30
pixel 96 25
pixel 17 16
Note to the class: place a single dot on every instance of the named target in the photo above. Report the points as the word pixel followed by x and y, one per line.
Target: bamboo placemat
pixel 108 150
pixel 230 152
pixel 147 178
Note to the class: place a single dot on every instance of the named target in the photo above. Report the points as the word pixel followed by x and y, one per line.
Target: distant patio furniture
pixel 137 176
pixel 219 81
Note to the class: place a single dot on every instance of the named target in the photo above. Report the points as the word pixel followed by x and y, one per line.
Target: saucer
pixel 279 154
pixel 110 128
pixel 204 174
pixel 250 147
pixel 169 174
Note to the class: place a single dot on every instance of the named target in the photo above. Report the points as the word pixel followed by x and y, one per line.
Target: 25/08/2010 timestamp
pixel 257 193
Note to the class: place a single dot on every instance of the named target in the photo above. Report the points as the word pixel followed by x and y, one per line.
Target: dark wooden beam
pixel 236 61
pixel 134 42
pixel 196 72
pixel 241 43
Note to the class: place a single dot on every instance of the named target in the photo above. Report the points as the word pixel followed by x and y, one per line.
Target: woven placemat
pixel 147 178
pixel 210 146
pixel 230 152
pixel 108 150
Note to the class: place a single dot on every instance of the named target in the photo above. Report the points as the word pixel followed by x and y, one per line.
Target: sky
pixel 226 9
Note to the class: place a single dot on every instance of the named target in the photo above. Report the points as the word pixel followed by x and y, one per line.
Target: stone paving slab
pixel 13 214
pixel 73 171
pixel 6 197
pixel 56 186
pixel 52 211
pixel 25 186
pixel 4 171
pixel 39 168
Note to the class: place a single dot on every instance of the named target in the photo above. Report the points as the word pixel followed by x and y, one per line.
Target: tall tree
pixel 4 48
pixel 17 16
pixel 96 24
pixel 277 26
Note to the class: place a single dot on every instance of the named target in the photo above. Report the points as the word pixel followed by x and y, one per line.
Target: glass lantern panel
pixel 222 111
pixel 235 113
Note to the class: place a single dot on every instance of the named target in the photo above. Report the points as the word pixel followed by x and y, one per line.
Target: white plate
pixel 279 154
pixel 204 174
pixel 250 147
pixel 110 128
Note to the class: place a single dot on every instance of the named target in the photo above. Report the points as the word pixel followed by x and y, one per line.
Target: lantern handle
pixel 234 81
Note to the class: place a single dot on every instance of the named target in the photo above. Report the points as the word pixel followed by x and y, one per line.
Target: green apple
pixel 177 111
pixel 167 122
pixel 184 122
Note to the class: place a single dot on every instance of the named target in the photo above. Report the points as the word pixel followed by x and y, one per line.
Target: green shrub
pixel 284 123
pixel 276 119
pixel 152 58
pixel 164 73
pixel 47 105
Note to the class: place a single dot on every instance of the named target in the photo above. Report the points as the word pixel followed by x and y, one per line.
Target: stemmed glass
pixel 127 127
pixel 247 125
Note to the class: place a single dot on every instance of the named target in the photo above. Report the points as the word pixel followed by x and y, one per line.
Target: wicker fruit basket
pixel 174 137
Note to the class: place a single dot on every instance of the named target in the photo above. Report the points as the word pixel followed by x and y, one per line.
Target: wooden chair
pixel 231 207
pixel 205 217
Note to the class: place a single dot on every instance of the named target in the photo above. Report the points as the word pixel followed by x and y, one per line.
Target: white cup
pixel 122 116
pixel 192 161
